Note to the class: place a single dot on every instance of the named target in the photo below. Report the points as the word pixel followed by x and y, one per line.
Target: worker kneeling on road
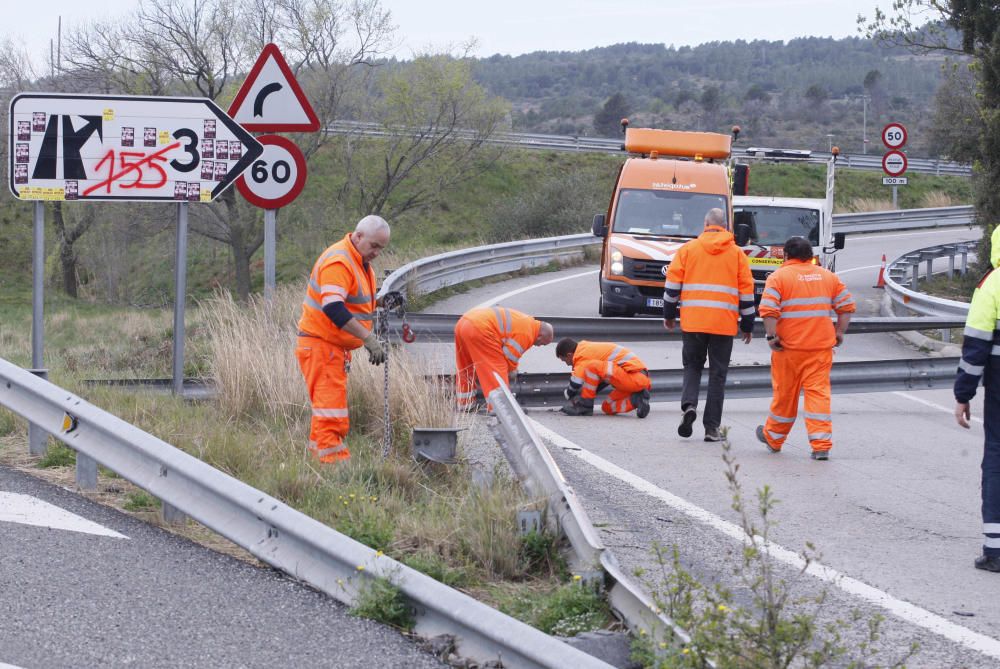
pixel 492 340
pixel 337 318
pixel 599 364
pixel 799 298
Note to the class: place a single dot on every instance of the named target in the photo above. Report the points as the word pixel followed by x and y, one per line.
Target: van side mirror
pixel 839 240
pixel 742 234
pixel 599 228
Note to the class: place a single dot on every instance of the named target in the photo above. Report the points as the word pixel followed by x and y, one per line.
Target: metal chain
pixel 382 332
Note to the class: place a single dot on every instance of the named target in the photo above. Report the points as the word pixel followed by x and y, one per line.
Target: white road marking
pixel 907 234
pixel 28 510
pixel 908 612
pixel 933 405
pixel 8 666
pixel 855 269
pixel 490 302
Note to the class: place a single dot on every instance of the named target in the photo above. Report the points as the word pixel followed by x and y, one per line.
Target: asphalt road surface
pixel 91 587
pixel 894 514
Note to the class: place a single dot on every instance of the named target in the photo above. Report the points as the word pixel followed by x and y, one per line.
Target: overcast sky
pixel 520 26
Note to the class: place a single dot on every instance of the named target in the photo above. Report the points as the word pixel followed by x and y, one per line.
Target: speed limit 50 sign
pixel 277 176
pixel 894 135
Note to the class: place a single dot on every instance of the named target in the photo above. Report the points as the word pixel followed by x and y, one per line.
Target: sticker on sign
pixel 119 147
pixel 894 163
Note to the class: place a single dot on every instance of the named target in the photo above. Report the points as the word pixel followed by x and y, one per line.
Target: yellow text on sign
pixel 766 261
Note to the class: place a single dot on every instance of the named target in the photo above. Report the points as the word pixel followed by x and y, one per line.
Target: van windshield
pixel 772 226
pixel 664 212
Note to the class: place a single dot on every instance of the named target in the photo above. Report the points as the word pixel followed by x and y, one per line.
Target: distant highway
pixel 599 144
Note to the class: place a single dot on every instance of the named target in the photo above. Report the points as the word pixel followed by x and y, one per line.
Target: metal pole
pixel 864 126
pixel 38 439
pixel 269 253
pixel 180 296
pixel 895 200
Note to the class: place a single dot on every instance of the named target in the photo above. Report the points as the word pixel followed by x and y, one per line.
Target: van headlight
pixel 617 264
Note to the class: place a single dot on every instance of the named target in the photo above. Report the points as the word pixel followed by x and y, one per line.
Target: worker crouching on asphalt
pixel 492 340
pixel 799 298
pixel 597 365
pixel 337 317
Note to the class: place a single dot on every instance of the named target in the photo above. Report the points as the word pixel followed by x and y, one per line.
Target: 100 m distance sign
pixel 118 147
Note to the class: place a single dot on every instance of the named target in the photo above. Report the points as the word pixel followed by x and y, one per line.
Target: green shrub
pixel 58 455
pixel 383 602
pixel 140 500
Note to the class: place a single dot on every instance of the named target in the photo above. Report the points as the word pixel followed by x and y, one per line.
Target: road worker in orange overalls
pixel 599 364
pixel 799 299
pixel 492 339
pixel 337 317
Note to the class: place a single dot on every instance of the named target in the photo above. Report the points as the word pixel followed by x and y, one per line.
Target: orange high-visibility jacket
pixel 709 278
pixel 803 297
pixel 513 331
pixel 339 275
pixel 613 354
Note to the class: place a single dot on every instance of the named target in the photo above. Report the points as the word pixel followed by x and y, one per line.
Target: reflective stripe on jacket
pixel 613 354
pixel 803 297
pixel 339 275
pixel 709 279
pixel 513 331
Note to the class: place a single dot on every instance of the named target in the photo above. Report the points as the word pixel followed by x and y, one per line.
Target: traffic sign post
pixel 894 164
pixel 271 100
pixel 123 148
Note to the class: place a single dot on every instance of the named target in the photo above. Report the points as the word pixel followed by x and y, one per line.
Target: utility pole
pixel 864 125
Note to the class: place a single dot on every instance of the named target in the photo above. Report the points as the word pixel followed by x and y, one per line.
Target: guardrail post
pixel 86 472
pixel 38 439
pixel 951 265
pixel 171 514
pixel 946 336
pixel 915 275
pixel 965 260
pixel 930 268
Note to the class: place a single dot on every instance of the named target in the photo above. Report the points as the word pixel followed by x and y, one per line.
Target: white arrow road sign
pixel 271 100
pixel 89 147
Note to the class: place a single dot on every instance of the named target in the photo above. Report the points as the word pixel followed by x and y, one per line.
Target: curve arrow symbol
pixel 258 103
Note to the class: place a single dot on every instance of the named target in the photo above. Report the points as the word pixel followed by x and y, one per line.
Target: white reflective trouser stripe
pixel 330 413
pixel 323 452
pixel 975 370
pixel 575 380
pixel 746 297
pixel 991 542
pixel 747 311
pixel 820 435
pixel 995 350
pixel 592 375
pixel 817 416
pixel 590 386
pixel 777 436
pixel 991 528
pixel 463 396
pixel 780 419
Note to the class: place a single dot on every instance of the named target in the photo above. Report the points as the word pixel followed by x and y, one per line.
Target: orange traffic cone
pixel 881 275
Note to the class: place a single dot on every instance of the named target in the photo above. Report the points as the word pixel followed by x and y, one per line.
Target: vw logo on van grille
pixel 663 270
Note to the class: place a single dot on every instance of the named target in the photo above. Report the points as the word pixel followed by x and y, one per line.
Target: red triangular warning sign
pixel 271 100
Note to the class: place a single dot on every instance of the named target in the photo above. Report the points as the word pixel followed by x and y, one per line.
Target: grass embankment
pixel 431 517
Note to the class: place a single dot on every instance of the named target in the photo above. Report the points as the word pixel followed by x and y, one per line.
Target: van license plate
pixel 654 302
pixel 758 289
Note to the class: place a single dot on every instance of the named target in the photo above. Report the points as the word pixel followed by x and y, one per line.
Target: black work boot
pixel 988 563
pixel 687 420
pixel 640 401
pixel 579 408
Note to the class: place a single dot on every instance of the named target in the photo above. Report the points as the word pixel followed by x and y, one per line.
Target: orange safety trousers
pixel 624 384
pixel 324 367
pixel 794 372
pixel 478 354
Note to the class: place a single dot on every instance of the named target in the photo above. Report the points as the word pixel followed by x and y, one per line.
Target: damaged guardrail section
pixel 538 473
pixel 274 532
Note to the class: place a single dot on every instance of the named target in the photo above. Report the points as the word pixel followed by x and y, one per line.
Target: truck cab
pixel 763 223
pixel 659 202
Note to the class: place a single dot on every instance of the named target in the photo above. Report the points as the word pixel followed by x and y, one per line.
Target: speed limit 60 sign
pixel 894 135
pixel 277 176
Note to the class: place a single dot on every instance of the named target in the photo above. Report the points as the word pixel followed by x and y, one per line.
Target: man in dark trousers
pixel 709 280
pixel 981 362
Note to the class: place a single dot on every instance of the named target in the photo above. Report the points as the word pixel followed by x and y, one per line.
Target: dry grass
pixel 937 198
pixel 862 204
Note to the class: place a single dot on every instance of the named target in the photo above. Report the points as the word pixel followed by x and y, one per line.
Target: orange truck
pixel 660 200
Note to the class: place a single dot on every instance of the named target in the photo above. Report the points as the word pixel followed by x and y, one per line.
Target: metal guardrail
pixel 527 140
pixel 455 267
pixel 540 475
pixel 868 376
pixel 274 532
pixel 902 279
